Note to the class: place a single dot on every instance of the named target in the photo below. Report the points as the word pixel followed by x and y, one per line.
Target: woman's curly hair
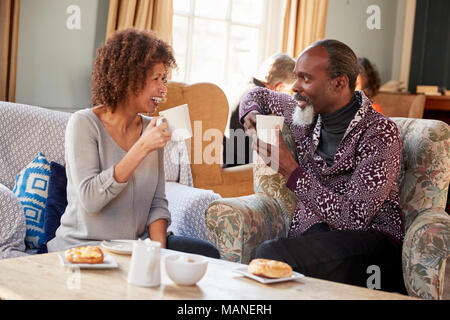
pixel 371 75
pixel 122 64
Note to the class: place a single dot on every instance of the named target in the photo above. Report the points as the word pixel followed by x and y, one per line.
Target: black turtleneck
pixel 333 128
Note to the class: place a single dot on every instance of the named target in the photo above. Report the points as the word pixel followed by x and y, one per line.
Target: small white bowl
pixel 186 269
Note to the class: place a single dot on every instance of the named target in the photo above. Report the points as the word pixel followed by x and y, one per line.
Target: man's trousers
pixel 360 258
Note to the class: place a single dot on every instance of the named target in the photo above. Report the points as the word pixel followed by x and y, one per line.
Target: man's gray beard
pixel 303 117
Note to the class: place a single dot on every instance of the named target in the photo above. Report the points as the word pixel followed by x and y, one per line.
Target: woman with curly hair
pixel 369 81
pixel 114 155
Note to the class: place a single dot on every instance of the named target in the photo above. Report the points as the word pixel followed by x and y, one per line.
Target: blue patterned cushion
pixel 31 188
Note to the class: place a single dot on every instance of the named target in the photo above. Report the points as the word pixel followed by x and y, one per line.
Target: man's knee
pixel 267 250
pixel 211 251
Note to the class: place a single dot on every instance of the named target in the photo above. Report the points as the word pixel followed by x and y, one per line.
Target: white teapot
pixel 145 266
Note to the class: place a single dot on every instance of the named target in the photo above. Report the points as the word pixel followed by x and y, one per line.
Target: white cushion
pixel 187 206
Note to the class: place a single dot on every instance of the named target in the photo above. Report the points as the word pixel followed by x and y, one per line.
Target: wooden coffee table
pixel 43 277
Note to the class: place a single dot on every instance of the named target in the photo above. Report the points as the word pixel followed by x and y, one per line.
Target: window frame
pixel 269 40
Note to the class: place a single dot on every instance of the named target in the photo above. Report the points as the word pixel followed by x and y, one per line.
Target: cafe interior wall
pixel 55 55
pixel 352 21
pixel 56 47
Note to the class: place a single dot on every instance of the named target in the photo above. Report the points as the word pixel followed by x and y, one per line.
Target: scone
pixel 269 268
pixel 89 254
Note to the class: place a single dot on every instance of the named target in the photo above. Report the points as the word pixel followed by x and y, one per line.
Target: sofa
pixel 26 131
pixel 240 224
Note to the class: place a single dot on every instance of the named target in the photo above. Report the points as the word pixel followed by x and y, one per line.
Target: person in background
pixel 369 81
pixel 348 215
pixel 114 154
pixel 276 73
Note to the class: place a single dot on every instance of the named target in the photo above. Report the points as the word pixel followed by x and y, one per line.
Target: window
pixel 222 41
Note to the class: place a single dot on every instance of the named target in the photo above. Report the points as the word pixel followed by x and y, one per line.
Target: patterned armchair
pixel 241 224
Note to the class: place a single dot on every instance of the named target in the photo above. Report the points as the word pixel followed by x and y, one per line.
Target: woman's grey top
pixel 100 208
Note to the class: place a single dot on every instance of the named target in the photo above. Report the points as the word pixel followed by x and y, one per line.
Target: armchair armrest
pixel 234 182
pixel 241 224
pixel 237 174
pixel 237 181
pixel 425 250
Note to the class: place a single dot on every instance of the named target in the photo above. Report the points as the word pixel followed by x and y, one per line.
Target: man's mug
pixel 265 128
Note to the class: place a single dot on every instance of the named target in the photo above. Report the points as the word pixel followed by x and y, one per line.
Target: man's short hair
pixel 341 60
pixel 278 68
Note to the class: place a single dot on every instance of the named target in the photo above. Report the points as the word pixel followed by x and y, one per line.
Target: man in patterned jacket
pixel 348 224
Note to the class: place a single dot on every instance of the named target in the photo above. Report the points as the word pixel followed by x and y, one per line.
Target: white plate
pixel 244 271
pixel 108 263
pixel 118 246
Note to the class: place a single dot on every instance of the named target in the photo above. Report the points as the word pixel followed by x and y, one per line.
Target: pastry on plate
pixel 88 254
pixel 269 268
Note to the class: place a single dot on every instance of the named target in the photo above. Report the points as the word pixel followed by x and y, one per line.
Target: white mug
pixel 265 128
pixel 179 122
pixel 145 266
